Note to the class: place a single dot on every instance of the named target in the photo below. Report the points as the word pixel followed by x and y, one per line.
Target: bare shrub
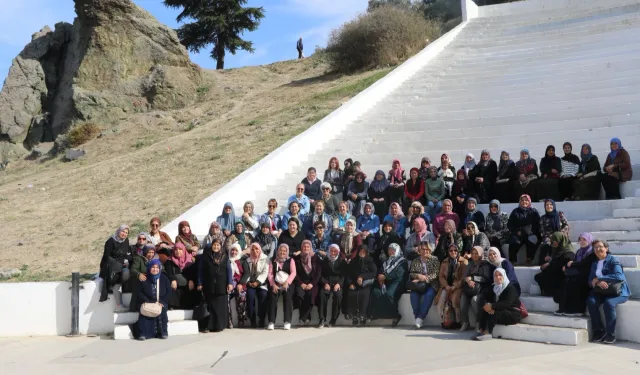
pixel 82 133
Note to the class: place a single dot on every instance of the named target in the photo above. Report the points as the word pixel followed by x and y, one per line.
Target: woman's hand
pixel 603 284
pixel 274 289
pixel 547 259
pixel 544 266
pixel 336 287
pixel 322 253
pixel 422 277
pixel 142 277
pixel 352 287
pixel 191 285
pixel 199 287
pixel 327 287
pixel 239 288
pixel 285 285
pixel 594 282
pixel 229 288
pixel 487 307
pixel 569 263
pixel 295 254
pixel 554 171
pixel 174 285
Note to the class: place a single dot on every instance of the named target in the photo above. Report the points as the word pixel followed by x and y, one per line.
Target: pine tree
pixel 220 23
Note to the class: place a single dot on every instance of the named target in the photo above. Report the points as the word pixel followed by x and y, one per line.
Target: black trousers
pixel 335 304
pixel 515 248
pixel 287 304
pixel 358 302
pixel 504 317
pixel 258 295
pixel 565 186
pixel 573 295
pixel 305 301
pixel 218 310
pixel 611 187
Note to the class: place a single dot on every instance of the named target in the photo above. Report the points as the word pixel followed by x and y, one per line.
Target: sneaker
pixel 574 315
pixel 559 312
pixel 418 324
pixel 598 336
pixel 271 327
pixel 287 326
pixel 465 327
pixel 610 338
pixel 320 324
pixel 483 337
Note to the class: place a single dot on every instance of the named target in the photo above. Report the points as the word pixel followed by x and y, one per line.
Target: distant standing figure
pixel 300 48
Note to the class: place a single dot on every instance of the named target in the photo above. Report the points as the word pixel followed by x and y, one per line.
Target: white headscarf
pixel 498 262
pixel 468 165
pixel 499 288
pixel 232 260
pixel 394 261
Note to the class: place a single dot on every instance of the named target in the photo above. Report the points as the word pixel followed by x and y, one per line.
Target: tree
pixel 216 22
pixel 402 4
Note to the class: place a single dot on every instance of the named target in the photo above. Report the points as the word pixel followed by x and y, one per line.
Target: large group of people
pixel 362 244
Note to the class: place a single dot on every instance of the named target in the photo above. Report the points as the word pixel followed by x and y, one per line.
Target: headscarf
pixel 476 231
pixel 188 238
pixel 232 260
pixel 210 237
pixel 240 237
pixel 470 213
pixel 146 249
pixel 446 157
pixel 379 186
pixel 333 259
pixel 504 165
pixel 474 266
pixel 614 153
pixel 460 183
pixel 422 227
pixel 424 171
pixel 520 205
pixel 450 205
pixel 498 289
pixel 453 262
pixel 550 159
pixel 153 278
pixel 305 258
pixel 373 209
pixel 394 261
pixel 584 252
pixel 183 261
pixel 216 256
pixel 435 176
pixel 398 217
pixel 359 185
pixel 286 256
pixel 468 165
pixel 482 162
pixel 396 174
pixel 116 235
pixel 497 225
pixel 498 262
pixel 570 157
pixel 264 239
pixel 227 221
pixel 553 216
pixel 564 245
pixel 584 158
pixel 523 164
pixel 346 240
pixel 255 259
pixel 140 248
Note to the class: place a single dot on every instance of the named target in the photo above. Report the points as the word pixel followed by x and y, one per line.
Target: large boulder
pixel 115 59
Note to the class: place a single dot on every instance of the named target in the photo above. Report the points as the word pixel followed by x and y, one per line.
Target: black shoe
pixel 609 338
pixel 164 337
pixel 321 323
pixel 354 321
pixel 332 323
pixel 261 323
pixel 598 336
pixel 396 321
pixel 254 324
pixel 558 312
pixel 204 331
pixel 347 316
pixel 363 321
pixel 141 338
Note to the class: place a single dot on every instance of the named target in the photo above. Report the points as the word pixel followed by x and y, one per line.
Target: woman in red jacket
pixel 616 169
pixel 413 189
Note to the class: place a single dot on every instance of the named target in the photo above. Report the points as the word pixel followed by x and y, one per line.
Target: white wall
pixel 530 6
pixel 469 10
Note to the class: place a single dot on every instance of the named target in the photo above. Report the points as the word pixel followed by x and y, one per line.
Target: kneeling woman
pixel 215 280
pixel 281 276
pixel 360 277
pixel 390 285
pixel 502 306
pixel 155 289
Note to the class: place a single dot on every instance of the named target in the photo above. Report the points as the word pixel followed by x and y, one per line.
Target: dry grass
pixel 159 163
pixel 82 133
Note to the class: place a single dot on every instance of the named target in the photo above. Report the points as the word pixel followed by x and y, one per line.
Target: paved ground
pixel 326 351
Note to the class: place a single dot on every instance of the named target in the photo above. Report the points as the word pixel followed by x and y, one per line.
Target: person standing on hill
pixel 300 48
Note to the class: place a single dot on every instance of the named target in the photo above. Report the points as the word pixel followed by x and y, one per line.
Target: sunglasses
pixel 271 206
pixel 155 225
pixel 326 188
pixel 300 189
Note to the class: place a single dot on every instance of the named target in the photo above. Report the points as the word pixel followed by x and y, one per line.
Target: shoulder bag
pixel 613 290
pixel 201 311
pixel 152 309
pixel 420 286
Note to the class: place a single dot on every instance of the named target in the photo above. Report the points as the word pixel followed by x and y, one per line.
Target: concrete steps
pixel 176 328
pixel 627 213
pixel 542 334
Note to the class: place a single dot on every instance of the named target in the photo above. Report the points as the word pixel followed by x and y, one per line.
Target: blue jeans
pixel 421 308
pixel 609 306
pixel 260 295
pixel 433 208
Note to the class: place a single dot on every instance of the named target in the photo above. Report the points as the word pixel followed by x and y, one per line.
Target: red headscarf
pixel 396 173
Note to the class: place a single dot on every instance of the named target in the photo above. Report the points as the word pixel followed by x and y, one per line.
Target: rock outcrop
pixel 114 60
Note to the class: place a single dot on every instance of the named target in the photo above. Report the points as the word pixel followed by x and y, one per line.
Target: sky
pixel 285 21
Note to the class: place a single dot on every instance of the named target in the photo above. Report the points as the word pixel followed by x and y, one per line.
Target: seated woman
pixel 227 219
pixel 472 237
pixel 349 172
pixel 308 272
pixel 462 189
pixel 239 293
pixel 341 218
pixel 413 189
pixel 334 176
pixel 114 266
pixel 497 261
pixel 451 275
pixel 249 218
pixel 476 284
pixel 551 276
pixel 188 239
pixel 292 237
pixel 396 179
pixel 318 215
pixel 312 187
pixel 448 237
pixel 606 274
pixel 417 211
pixel 502 306
pixel 483 176
pixel 156 235
pixel 349 241
pixel 139 271
pixel 423 283
pixel 495 226
pixel 617 169
pixel 441 218
pixel 550 169
pixel 155 289
pixel 472 214
pixel 138 247
pixel 273 218
pixel 281 276
pixel 570 164
pixel 425 164
pixel 389 286
pixel 586 186
pixel 268 242
pixel 435 191
pixel 360 276
pixel 254 276
pixel 334 268
pixel 446 172
pixel 400 222
pixel 524 226
pixel 357 194
pixel 506 180
pixel 469 164
pixel 215 233
pixel 368 226
pixel 528 171
pixel 215 280
pixel 552 221
pixel 420 234
pixel 331 201
pixel 240 236
pixel 320 241
pixel 387 237
pixel 294 212
pixel 379 193
pixel 572 296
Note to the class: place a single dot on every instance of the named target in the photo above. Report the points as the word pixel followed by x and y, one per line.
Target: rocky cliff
pixel 114 60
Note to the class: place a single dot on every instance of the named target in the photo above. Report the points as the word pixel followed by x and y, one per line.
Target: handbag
pixel 419 287
pixel 281 277
pixel 448 316
pixel 152 309
pixel 201 311
pixel 523 310
pixel 571 272
pixel 613 290
pixel 181 280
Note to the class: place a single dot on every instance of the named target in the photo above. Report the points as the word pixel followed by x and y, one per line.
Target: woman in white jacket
pixel 256 271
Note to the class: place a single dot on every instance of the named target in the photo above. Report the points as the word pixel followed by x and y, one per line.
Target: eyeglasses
pixel 155 225
pixel 325 188
pixel 271 206
pixel 298 189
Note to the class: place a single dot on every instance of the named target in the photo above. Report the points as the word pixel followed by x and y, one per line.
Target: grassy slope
pixel 159 163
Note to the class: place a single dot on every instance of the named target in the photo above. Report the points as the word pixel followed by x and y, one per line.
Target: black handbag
pixel 201 311
pixel 613 290
pixel 471 292
pixel 181 280
pixel 419 287
pixel 571 272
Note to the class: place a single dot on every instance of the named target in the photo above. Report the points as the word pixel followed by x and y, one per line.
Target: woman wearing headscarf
pixel 387 237
pixel 178 268
pixel 423 283
pixel 472 214
pixel 441 218
pixel 334 176
pixel 495 259
pixel 341 218
pixel 114 266
pixel 435 191
pixel 357 194
pixel 396 181
pixel 379 193
pixel 425 164
pixel 420 234
pixel 524 226
pixel 570 164
pixel 551 276
pixel 472 237
pixel 476 284
pixel 483 176
pixel 139 271
pixel 155 288
pixel 215 233
pixel 249 218
pixel 318 215
pixel 268 242
pixel 550 170
pixel 469 164
pixel 413 189
pixel 448 237
pixel 281 277
pixel 368 226
pixel 446 172
pixel 417 211
pixel 451 275
pixel 292 237
pixel 462 189
pixel 308 272
pixel 572 296
pixel 239 293
pixel 240 236
pixel 186 237
pixel 496 225
pixel 227 219
pixel 155 234
pixel 396 216
pixel 586 186
pixel 330 200
pixel 141 242
pixel 350 240
pixel 528 171
pixel 334 269
pixel 254 276
pixel 389 286
pixel 360 276
pixel 508 175
pixel 294 212
pixel 215 280
pixel 502 306
pixel 552 221
pixel 617 169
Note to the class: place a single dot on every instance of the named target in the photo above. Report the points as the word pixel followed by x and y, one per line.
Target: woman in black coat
pixel 551 276
pixel 114 266
pixel 387 237
pixel 292 237
pixel 524 226
pixel 550 170
pixel 586 186
pixel 215 280
pixel 308 274
pixel 572 297
pixel 502 306
pixel 156 288
pixel 508 175
pixel 483 176
pixel 334 267
pixel 361 275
